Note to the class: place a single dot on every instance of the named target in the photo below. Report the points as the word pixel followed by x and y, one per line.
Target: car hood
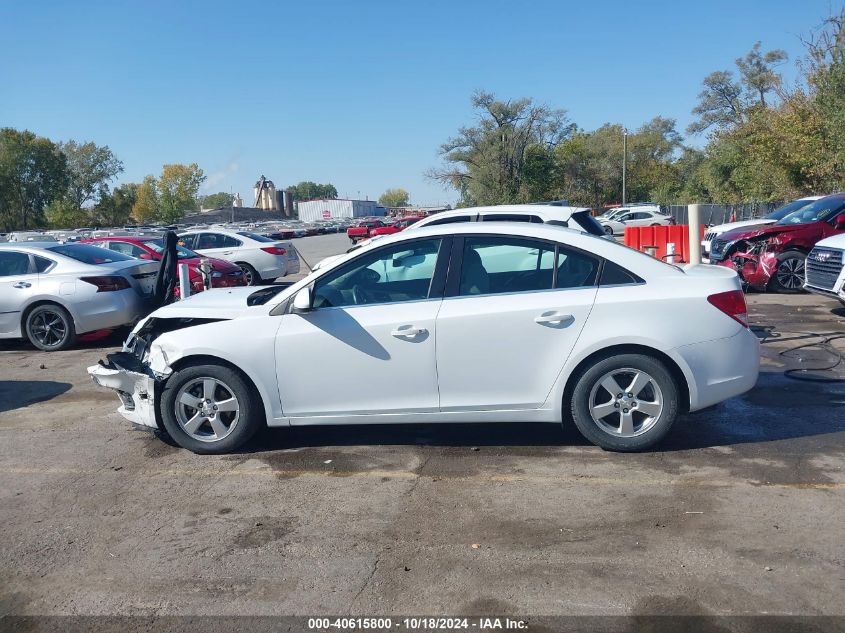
pixel 744 224
pixel 761 230
pixel 216 303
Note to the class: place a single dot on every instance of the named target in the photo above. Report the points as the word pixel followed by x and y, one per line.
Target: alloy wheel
pixel 247 275
pixel 48 328
pixel 207 409
pixel 790 273
pixel 626 402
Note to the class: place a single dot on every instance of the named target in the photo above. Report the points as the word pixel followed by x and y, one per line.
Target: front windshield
pixel 181 251
pixel 785 210
pixel 819 210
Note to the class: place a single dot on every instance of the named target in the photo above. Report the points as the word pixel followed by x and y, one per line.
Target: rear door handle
pixel 554 317
pixel 408 331
pixel 22 284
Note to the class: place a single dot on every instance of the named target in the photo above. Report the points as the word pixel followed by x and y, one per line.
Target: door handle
pixel 554 317
pixel 408 331
pixel 22 284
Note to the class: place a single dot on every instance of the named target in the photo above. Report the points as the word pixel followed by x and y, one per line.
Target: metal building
pixel 311 210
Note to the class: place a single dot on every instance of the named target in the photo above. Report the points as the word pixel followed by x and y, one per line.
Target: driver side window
pixel 402 272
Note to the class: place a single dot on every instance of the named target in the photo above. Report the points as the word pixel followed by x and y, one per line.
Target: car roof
pixel 598 245
pixel 38 246
pixel 551 212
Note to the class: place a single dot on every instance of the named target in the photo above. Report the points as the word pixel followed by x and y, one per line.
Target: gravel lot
pixel 742 511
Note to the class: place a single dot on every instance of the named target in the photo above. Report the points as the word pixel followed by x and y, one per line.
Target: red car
pixel 361 231
pixel 771 256
pixel 400 225
pixel 223 274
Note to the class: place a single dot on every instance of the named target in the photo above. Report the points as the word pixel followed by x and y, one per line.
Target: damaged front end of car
pixel 138 371
pixel 754 259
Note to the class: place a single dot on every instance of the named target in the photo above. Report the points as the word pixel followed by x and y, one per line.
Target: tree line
pixel 765 141
pixel 68 185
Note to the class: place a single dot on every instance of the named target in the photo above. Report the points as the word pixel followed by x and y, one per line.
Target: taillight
pixel 731 303
pixel 274 250
pixel 107 283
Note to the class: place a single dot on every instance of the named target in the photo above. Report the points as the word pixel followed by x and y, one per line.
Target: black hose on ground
pixel 825 345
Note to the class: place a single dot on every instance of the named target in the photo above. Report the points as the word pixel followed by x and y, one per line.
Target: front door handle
pixel 22 284
pixel 408 331
pixel 554 317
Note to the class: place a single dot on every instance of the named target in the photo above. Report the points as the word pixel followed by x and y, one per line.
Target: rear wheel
pixel 50 328
pixel 608 230
pixel 251 276
pixel 625 403
pixel 209 409
pixel 788 277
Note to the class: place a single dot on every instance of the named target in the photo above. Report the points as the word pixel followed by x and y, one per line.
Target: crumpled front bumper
pixel 134 383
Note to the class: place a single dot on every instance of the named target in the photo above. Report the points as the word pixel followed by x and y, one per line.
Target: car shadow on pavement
pixel 16 394
pixel 446 435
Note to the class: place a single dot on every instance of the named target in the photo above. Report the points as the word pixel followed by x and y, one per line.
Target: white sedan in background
pixel 635 217
pixel 50 292
pixel 259 257
pixel 470 322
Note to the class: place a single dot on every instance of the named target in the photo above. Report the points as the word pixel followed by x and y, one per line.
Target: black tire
pixel 250 274
pixel 608 230
pixel 652 428
pixel 249 418
pixel 353 240
pixel 50 328
pixel 788 277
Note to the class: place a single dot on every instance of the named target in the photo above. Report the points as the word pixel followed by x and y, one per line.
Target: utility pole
pixel 624 162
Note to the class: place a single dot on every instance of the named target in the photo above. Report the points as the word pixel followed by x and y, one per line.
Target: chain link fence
pixel 712 214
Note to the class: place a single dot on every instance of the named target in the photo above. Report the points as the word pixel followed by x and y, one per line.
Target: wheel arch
pixel 42 302
pixel 627 348
pixel 208 359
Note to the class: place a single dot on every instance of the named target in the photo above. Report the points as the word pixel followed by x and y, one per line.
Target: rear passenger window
pixel 575 269
pixel 614 275
pixel 494 265
pixel 13 263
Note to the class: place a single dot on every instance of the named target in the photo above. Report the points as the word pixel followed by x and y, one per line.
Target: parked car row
pixel 616 220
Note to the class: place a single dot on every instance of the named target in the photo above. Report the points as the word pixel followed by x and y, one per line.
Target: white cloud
pixel 213 180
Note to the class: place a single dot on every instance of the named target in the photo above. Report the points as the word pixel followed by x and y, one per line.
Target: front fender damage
pixel 135 384
pixel 138 372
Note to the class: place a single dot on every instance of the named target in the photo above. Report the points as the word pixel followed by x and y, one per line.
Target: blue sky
pixel 359 94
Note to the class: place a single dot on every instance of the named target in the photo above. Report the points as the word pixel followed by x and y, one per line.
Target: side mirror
pixel 302 301
pixel 145 256
pixel 839 223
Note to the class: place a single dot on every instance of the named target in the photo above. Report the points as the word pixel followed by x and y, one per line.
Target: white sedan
pixel 259 257
pixel 638 217
pixel 470 322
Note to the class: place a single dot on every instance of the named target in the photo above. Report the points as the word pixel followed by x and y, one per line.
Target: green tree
pixel 62 213
pixel 116 209
pixel 757 73
pixel 217 200
pixel 90 170
pixel 177 190
pixel 720 103
pixel 146 207
pixel 494 161
pixel 394 198
pixel 307 190
pixel 33 173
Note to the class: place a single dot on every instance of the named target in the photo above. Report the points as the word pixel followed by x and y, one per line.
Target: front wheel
pixel 788 277
pixel 625 403
pixel 50 328
pixel 209 409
